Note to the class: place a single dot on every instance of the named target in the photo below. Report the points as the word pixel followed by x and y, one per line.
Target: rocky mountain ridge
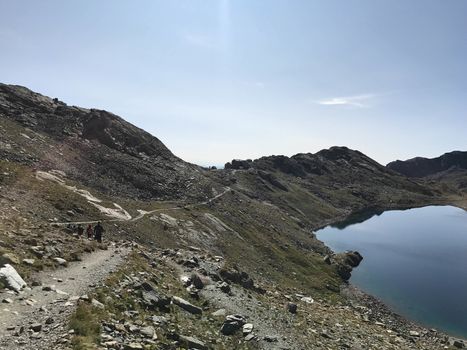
pixel 423 167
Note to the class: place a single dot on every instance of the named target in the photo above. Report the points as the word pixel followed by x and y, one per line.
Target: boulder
pixel 152 298
pixel 192 343
pixel 232 324
pixel 224 286
pixel 197 281
pixel 36 327
pixel 247 328
pixel 11 279
pixel 457 343
pixel 148 332
pixel 185 305
pixel 346 262
pixel 292 308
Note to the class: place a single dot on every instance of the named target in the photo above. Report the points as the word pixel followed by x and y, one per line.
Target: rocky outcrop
pixel 346 262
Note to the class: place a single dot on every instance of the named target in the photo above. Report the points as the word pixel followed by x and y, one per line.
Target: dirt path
pixel 51 308
pixel 143 213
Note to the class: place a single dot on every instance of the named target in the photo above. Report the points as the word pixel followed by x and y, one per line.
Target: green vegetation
pixel 85 322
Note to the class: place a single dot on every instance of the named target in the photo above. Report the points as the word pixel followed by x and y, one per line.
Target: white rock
pixel 308 300
pixel 247 328
pixel 11 279
pixel 61 261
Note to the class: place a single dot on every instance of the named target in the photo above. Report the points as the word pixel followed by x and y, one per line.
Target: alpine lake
pixel 414 260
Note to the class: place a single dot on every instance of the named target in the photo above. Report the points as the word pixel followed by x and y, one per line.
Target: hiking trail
pixel 51 304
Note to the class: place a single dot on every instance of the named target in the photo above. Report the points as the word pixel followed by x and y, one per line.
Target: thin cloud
pixel 360 101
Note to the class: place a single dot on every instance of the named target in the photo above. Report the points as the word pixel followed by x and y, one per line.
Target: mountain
pixel 94 147
pixel 422 167
pixel 240 238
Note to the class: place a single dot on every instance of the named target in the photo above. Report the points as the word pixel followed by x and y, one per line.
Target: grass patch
pixel 86 324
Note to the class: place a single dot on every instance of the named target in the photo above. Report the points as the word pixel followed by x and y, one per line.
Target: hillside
pixel 448 170
pixel 246 231
pixel 422 167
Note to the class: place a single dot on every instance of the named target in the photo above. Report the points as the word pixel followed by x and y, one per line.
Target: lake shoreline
pixel 381 313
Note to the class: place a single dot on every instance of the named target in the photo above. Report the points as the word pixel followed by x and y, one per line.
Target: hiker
pixel 80 230
pixel 98 229
pixel 89 231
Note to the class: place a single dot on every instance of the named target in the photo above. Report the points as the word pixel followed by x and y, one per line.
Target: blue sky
pixel 217 80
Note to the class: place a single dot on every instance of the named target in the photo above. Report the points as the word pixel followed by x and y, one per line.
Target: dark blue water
pixel 414 260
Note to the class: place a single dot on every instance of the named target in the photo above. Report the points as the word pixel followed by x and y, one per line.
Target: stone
pixel 249 337
pixel 49 320
pixel 224 286
pixel 232 324
pixel 11 279
pixel 308 300
pixel 7 301
pixel 186 305
pixel 153 298
pixel 292 308
pixel 414 334
pixel 159 320
pixel 50 288
pixel 270 339
pixel 133 346
pixel 29 262
pixel 457 343
pixel 247 328
pixel 186 280
pixel 148 332
pixel 36 327
pixel 60 261
pixel 197 281
pixel 327 259
pixel 192 343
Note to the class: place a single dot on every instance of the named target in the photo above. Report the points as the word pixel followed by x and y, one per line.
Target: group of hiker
pixel 91 232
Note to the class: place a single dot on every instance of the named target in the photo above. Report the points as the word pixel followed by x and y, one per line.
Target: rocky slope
pixel 94 147
pixel 247 228
pixel 422 167
pixel 448 171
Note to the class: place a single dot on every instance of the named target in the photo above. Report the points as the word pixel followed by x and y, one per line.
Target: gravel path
pixel 51 307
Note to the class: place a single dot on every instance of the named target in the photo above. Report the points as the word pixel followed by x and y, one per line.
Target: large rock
pixel 152 298
pixel 192 343
pixel 346 262
pixel 11 279
pixel 238 277
pixel 185 305
pixel 239 164
pixel 232 324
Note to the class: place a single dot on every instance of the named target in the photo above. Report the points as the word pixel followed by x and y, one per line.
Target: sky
pixel 222 79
